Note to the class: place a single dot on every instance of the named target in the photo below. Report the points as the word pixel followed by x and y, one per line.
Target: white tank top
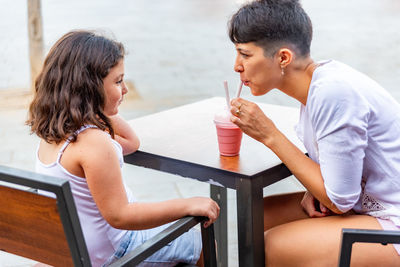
pixel 101 238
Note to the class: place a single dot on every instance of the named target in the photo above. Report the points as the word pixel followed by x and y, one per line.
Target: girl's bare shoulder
pixel 93 141
pixel 94 134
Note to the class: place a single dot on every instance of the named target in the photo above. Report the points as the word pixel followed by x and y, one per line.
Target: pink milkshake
pixel 229 135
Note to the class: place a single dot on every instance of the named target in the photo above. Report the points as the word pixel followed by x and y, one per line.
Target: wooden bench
pixel 48 230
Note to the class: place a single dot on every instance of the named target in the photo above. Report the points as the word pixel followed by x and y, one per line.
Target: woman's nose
pixel 238 66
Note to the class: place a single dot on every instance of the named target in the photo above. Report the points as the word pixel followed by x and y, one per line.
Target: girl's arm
pixel 103 175
pixel 149 215
pixel 124 134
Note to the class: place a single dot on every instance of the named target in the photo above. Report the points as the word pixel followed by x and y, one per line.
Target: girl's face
pixel 260 73
pixel 115 89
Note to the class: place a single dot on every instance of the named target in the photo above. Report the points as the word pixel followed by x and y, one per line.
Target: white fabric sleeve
pixel 339 116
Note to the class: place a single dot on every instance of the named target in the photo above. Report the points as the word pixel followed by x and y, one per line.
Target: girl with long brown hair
pixel 83 139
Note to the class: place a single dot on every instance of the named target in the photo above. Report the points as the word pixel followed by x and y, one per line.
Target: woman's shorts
pixel 186 248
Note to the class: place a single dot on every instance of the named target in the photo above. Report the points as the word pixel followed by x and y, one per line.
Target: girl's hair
pixel 69 91
pixel 271 24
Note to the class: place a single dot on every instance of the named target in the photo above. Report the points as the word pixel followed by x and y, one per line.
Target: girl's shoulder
pixel 94 146
pixel 87 151
pixel 92 140
pixel 93 137
pixel 92 132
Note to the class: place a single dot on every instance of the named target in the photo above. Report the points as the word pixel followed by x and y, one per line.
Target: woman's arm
pixel 124 134
pixel 104 178
pixel 258 126
pixel 307 171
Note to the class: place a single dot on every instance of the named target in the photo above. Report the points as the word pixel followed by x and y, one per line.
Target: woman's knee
pixel 274 248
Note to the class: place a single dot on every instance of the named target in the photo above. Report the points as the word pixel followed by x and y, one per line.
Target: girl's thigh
pixel 316 242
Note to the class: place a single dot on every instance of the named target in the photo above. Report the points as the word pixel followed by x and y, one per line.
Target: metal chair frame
pixel 350 236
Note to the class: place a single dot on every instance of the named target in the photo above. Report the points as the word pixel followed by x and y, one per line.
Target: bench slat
pixel 30 227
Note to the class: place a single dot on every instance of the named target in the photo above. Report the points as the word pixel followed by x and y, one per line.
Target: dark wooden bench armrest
pixel 181 226
pixel 350 236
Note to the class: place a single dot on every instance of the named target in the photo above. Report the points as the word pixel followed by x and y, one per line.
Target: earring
pixel 282 70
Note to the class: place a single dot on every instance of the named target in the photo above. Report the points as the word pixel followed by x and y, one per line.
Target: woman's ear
pixel 285 57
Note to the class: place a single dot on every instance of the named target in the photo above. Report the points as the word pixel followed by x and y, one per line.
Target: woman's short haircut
pixel 272 24
pixel 69 90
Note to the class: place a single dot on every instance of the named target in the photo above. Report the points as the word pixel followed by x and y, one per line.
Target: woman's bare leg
pixel 280 209
pixel 294 239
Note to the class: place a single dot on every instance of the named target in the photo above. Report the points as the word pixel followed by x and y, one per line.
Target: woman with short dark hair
pixel 350 127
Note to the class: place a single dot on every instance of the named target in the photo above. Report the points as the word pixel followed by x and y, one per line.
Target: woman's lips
pixel 246 83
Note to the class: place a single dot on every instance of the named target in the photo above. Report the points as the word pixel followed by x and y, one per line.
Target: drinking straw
pixel 239 89
pixel 228 100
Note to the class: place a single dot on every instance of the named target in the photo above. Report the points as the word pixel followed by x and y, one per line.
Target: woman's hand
pixel 203 206
pixel 313 207
pixel 252 121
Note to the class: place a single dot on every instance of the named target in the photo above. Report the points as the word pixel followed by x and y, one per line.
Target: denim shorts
pixel 186 248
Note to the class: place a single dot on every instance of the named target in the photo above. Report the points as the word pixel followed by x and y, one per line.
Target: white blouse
pixel 351 127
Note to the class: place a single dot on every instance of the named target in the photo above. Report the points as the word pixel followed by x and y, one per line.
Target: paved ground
pixel 18 148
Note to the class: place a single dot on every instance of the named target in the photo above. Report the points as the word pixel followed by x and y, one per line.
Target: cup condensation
pixel 228 134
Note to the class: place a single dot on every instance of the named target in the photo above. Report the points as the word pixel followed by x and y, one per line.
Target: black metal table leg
pixel 219 194
pixel 250 220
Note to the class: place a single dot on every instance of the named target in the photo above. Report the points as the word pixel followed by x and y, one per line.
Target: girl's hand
pixel 252 121
pixel 203 206
pixel 313 207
